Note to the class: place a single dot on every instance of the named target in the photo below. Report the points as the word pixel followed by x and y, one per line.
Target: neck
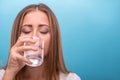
pixel 34 73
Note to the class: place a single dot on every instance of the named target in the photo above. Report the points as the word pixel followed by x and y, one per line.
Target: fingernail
pixel 29 62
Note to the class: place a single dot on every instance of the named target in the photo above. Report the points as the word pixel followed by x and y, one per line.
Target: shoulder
pixel 2 71
pixel 69 76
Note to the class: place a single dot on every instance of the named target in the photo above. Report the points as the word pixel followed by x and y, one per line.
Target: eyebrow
pixel 40 25
pixel 43 25
pixel 28 25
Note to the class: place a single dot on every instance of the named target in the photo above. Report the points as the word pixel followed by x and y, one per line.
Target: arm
pixel 8 75
pixel 16 59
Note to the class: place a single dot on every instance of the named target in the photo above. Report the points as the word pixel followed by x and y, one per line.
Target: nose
pixel 35 33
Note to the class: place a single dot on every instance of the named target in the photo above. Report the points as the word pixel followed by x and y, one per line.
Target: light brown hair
pixel 54 60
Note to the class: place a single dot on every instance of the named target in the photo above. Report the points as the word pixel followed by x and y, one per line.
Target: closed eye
pixel 44 32
pixel 25 31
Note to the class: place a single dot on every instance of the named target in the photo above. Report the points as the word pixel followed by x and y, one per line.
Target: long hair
pixel 54 60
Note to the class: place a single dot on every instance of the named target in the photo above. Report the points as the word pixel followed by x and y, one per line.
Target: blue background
pixel 90 34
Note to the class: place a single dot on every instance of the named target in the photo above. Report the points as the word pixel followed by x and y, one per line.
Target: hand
pixel 16 59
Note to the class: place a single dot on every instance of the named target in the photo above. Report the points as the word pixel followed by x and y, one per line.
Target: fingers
pixel 23 59
pixel 26 48
pixel 17 61
pixel 20 58
pixel 16 58
pixel 22 40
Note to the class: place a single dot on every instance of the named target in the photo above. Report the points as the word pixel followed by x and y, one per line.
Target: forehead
pixel 36 17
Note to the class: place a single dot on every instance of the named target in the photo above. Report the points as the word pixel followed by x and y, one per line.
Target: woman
pixel 40 21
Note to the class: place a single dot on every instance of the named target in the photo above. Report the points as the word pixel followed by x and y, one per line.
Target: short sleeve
pixel 2 71
pixel 73 76
pixel 70 76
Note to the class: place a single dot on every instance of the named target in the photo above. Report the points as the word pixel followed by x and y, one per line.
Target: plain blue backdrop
pixel 90 34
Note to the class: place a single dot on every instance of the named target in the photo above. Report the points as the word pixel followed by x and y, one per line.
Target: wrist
pixel 9 75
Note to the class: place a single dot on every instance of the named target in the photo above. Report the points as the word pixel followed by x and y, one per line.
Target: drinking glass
pixel 36 57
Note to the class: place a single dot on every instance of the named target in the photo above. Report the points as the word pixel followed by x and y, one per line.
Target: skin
pixel 35 23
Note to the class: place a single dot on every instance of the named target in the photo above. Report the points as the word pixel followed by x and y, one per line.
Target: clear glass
pixel 36 57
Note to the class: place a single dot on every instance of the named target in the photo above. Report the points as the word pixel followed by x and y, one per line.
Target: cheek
pixel 47 44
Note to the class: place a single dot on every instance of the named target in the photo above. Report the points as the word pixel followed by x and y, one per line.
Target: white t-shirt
pixel 70 76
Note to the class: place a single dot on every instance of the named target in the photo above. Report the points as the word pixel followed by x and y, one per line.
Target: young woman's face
pixel 36 24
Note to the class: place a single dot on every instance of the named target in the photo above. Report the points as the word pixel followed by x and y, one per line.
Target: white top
pixel 70 76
